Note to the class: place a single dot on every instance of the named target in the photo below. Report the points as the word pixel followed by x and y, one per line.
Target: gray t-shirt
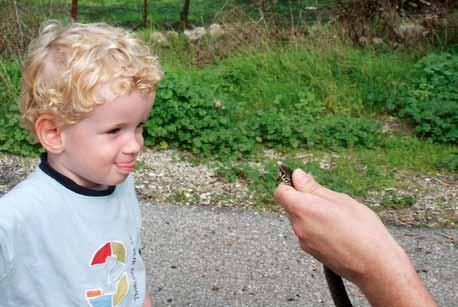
pixel 64 245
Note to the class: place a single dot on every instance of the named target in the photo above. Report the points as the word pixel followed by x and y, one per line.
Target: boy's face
pixel 101 149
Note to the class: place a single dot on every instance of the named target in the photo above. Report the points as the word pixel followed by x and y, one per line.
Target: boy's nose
pixel 134 145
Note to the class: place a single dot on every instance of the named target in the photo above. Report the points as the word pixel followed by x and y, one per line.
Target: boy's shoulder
pixel 35 180
pixel 36 188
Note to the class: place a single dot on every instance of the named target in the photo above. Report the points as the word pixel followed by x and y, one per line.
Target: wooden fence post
pixel 74 10
pixel 145 13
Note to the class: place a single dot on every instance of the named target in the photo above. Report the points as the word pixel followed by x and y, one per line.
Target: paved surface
pixel 206 256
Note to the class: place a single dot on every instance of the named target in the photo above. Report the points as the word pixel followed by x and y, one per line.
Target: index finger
pixel 299 203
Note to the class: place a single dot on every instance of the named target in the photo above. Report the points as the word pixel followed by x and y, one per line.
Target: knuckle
pixel 299 231
pixel 346 197
pixel 311 186
pixel 305 247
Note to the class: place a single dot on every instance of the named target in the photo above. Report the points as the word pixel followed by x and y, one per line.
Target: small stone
pixel 172 34
pixel 216 31
pixel 377 41
pixel 196 34
pixel 159 38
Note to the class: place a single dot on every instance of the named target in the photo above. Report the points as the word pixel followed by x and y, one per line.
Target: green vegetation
pixel 163 13
pixel 319 95
pixel 430 101
pixel 301 99
pixel 397 201
pixel 13 139
pixel 128 13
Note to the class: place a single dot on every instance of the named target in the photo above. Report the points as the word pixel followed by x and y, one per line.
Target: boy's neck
pixel 51 166
pixel 58 164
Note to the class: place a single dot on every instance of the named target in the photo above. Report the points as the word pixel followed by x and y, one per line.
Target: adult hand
pixel 350 239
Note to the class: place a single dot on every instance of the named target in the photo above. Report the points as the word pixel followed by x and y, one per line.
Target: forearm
pixel 396 284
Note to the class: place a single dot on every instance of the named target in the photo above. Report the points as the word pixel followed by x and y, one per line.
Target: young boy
pixel 70 232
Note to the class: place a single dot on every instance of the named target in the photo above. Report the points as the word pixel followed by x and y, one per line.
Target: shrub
pixel 345 132
pixel 19 23
pixel 284 122
pixel 430 100
pixel 448 162
pixel 189 116
pixel 13 138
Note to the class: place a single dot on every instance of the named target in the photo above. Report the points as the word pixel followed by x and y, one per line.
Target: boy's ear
pixel 49 133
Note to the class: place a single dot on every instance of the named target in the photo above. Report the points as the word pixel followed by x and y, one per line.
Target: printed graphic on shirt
pixel 112 255
pixel 112 248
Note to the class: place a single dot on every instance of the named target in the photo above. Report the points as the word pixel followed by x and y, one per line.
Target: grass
pixel 163 13
pixel 408 153
pixel 346 79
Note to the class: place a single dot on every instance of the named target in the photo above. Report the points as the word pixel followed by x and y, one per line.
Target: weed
pixel 345 174
pixel 261 178
pixel 177 196
pixel 394 200
pixel 19 23
pixel 140 165
pixel 13 138
pixel 430 101
pixel 448 162
pixel 406 153
pixel 333 132
pixel 188 115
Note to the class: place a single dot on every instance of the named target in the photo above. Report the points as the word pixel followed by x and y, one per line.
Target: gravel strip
pixel 162 176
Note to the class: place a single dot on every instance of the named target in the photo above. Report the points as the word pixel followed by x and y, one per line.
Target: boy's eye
pixel 113 131
pixel 140 125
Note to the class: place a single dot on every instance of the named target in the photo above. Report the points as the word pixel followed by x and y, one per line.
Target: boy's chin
pixel 120 179
pixel 113 181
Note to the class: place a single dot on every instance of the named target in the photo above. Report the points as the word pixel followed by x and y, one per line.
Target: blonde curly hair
pixel 65 64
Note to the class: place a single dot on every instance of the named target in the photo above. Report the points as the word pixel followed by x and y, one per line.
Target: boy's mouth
pixel 126 167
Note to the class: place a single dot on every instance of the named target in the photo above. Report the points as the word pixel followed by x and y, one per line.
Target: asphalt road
pixel 205 256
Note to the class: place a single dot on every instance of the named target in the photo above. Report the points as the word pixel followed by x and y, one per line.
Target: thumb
pixel 304 182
